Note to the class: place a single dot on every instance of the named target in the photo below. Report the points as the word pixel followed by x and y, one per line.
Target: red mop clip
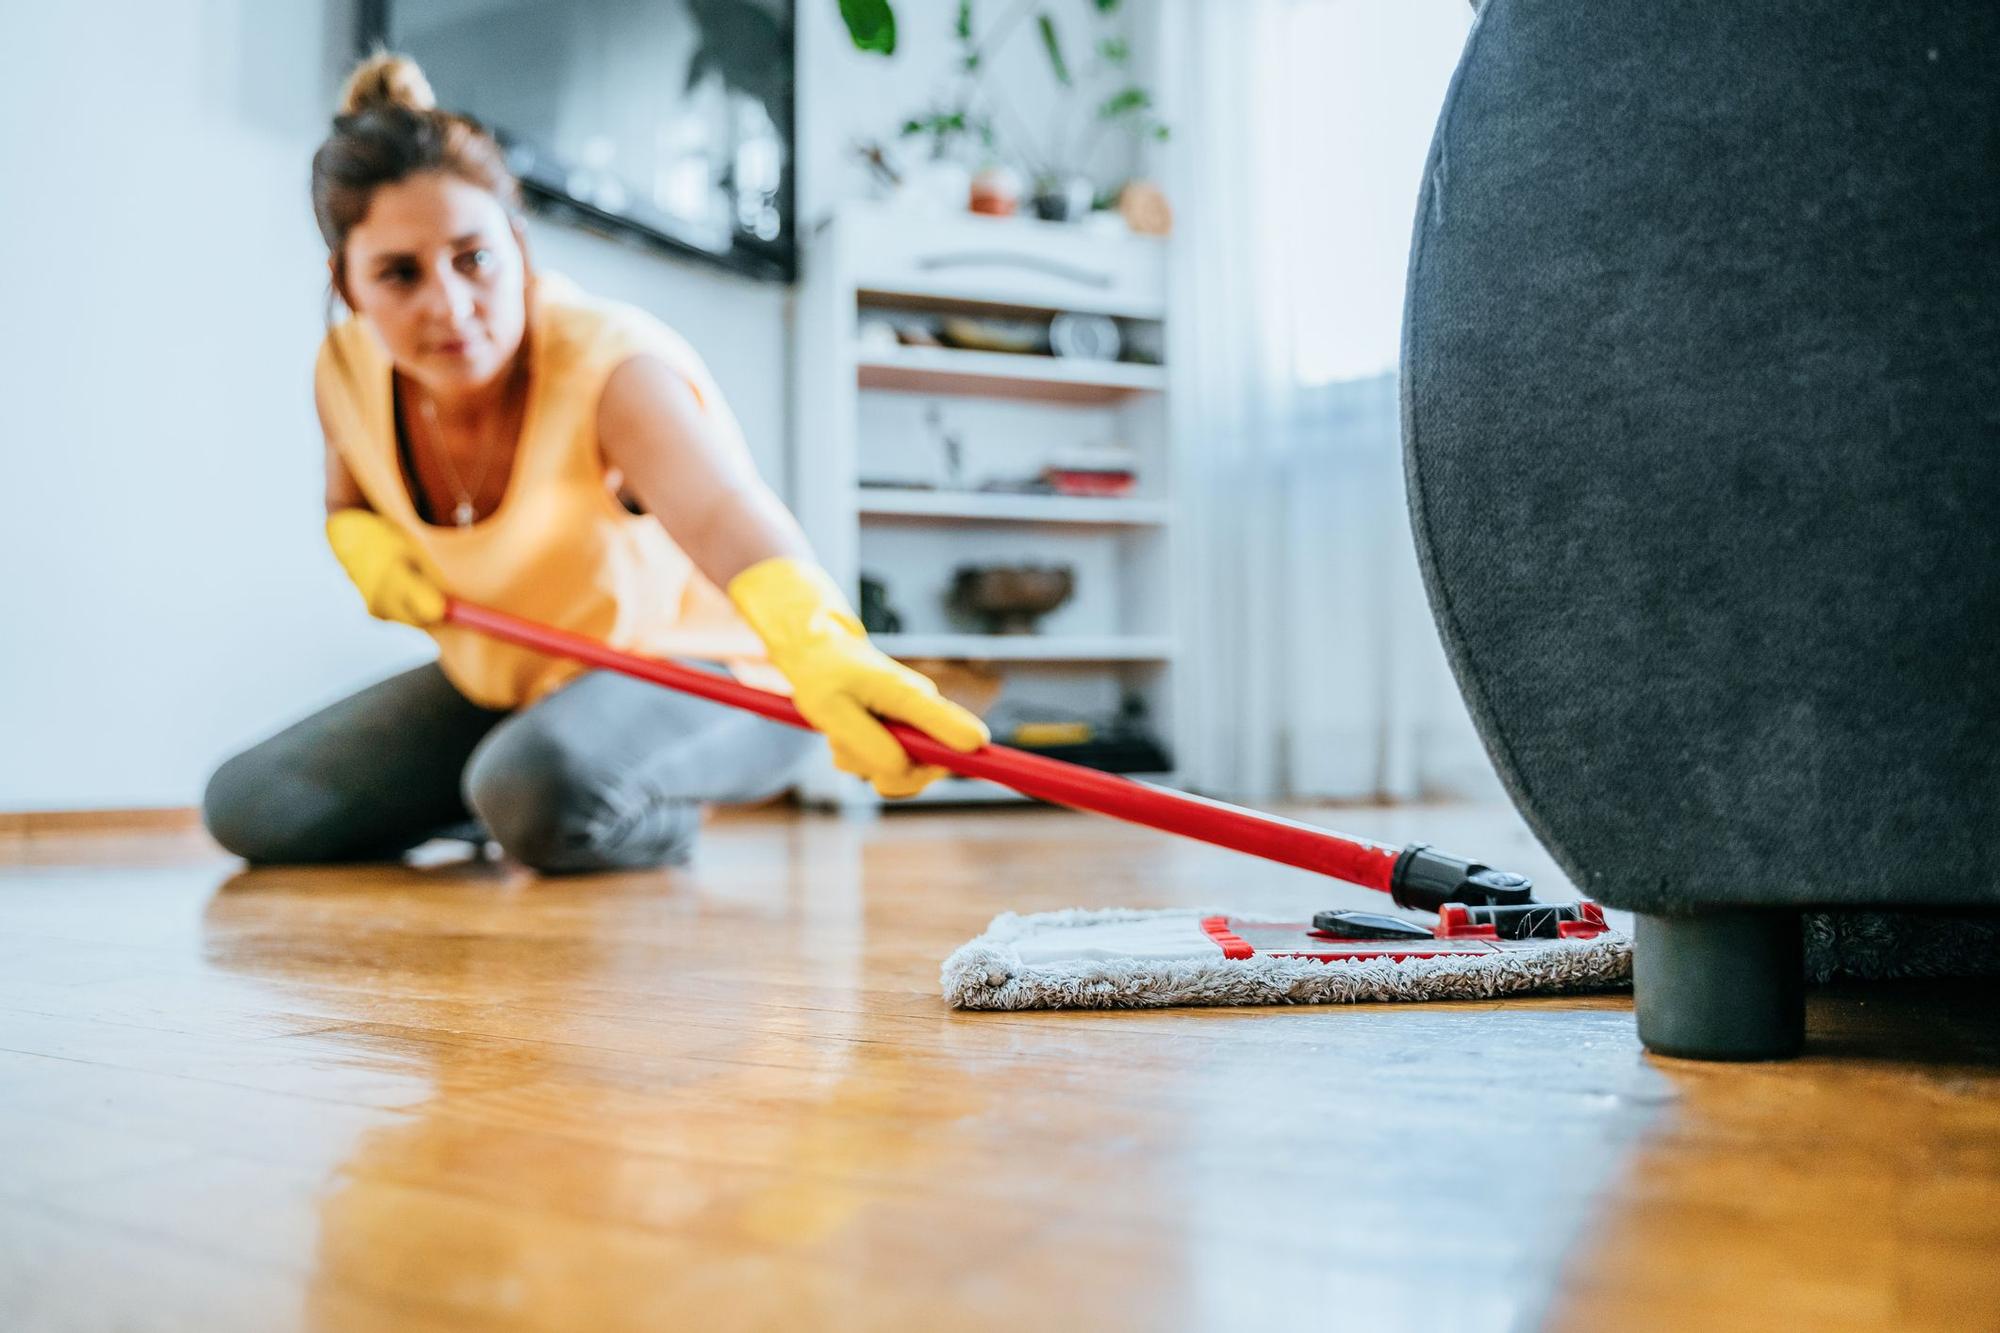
pixel 1527 921
pixel 1417 875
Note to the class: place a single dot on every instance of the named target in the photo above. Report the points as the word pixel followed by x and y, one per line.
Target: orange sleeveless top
pixel 561 548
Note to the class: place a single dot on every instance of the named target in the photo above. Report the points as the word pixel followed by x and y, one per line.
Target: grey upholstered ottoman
pixel 1702 376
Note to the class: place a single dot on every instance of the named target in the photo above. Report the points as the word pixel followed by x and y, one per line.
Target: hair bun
pixel 386 79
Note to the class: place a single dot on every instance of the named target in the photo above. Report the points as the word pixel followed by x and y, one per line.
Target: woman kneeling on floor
pixel 484 423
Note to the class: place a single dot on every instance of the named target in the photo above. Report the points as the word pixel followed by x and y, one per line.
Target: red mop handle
pixel 1356 860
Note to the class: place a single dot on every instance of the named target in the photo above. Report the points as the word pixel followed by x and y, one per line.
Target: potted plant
pixel 970 114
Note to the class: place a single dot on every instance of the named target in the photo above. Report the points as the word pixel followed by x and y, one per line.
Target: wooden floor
pixel 729 1097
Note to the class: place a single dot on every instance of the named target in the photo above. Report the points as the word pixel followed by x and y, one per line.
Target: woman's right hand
pixel 842 683
pixel 384 566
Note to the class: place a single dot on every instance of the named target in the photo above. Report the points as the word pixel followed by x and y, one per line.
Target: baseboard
pixel 145 819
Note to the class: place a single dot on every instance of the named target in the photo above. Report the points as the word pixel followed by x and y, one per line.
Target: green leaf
pixel 1124 103
pixel 1053 44
pixel 1114 50
pixel 1107 6
pixel 943 125
pixel 871 24
pixel 1161 133
pixel 964 26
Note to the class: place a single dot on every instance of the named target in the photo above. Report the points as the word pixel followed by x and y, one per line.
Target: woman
pixel 482 423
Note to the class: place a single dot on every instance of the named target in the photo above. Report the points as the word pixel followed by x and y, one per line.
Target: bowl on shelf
pixel 1017 337
pixel 1011 598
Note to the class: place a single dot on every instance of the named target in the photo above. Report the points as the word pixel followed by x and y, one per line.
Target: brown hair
pixel 389 128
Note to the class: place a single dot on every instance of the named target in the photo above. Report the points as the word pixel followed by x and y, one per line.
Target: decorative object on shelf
pixel 951 125
pixel 1013 486
pixel 1145 342
pixel 1121 744
pixel 953 445
pixel 912 333
pixel 877 616
pixel 1096 481
pixel 1016 486
pixel 1064 198
pixel 1052 733
pixel 973 686
pixel 1020 337
pixel 876 335
pixel 1102 94
pixel 1063 191
pixel 1011 598
pixel 881 168
pixel 1110 754
pixel 1087 337
pixel 934 184
pixel 1090 482
pixel 996 191
pixel 1144 207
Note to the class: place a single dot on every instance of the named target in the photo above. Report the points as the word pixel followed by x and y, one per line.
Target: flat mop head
pixel 1127 959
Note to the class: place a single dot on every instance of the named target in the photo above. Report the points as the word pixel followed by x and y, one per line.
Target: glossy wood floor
pixel 729 1097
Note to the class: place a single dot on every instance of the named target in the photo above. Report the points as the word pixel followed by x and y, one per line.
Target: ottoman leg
pixel 1721 985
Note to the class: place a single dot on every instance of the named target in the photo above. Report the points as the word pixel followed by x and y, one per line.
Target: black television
pixel 666 120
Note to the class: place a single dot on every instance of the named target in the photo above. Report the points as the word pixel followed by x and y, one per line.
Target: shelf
pixel 1028 647
pixel 992 507
pixel 1007 375
pixel 877 251
pixel 954 299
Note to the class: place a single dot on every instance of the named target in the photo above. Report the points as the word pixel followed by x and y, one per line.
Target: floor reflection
pixel 620 1105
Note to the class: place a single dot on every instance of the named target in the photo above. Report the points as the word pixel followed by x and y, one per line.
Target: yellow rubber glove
pixel 839 679
pixel 384 566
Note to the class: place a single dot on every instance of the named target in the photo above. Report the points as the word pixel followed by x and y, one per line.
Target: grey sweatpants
pixel 606 773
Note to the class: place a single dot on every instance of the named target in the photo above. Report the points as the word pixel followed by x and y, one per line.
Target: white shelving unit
pixel 872 412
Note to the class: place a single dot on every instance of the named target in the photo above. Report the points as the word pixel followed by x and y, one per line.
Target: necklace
pixel 465 513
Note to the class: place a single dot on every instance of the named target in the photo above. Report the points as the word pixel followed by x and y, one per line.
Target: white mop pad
pixel 1127 959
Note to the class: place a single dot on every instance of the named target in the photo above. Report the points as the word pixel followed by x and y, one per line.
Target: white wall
pixel 166 593
pixel 167 597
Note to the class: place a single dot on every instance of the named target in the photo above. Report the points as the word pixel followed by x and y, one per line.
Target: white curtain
pixel 1301 130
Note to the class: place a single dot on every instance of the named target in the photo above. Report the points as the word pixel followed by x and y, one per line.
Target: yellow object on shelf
pixel 1053 733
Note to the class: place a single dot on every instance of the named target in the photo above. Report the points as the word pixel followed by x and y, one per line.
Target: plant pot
pixel 996 191
pixel 936 186
pixel 1064 198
